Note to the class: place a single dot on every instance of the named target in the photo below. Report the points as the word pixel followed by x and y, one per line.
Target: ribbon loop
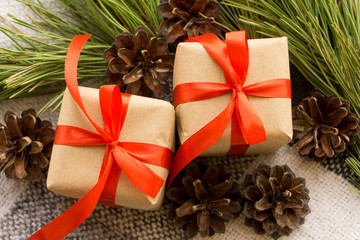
pixel 111 108
pixel 238 52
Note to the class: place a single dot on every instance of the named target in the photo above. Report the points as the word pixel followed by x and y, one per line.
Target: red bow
pixel 232 56
pixel 129 156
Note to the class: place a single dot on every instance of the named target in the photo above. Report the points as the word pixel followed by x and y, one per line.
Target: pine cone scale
pixel 203 221
pixel 263 204
pixel 165 10
pixel 217 224
pixel 198 7
pixel 315 112
pixel 270 226
pixel 22 143
pixel 348 123
pixel 128 56
pixel 177 31
pixel 333 104
pixel 182 4
pixel 28 126
pixel 212 9
pixel 19 165
pixel 124 41
pixel 134 75
pixel 45 135
pixel 110 54
pixel 334 118
pixel 35 147
pixel 261 215
pixel 208 28
pixel 141 40
pixel 12 125
pixel 186 208
pixel 183 15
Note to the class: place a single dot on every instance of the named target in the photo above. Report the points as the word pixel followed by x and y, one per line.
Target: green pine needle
pixel 324 42
pixel 36 66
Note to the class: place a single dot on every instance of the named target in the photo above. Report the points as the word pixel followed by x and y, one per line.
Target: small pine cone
pixel 324 127
pixel 203 199
pixel 274 200
pixel 25 145
pixel 188 18
pixel 139 64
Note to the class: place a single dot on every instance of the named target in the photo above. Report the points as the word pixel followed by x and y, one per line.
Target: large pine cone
pixel 25 145
pixel 274 201
pixel 188 18
pixel 203 198
pixel 324 127
pixel 139 64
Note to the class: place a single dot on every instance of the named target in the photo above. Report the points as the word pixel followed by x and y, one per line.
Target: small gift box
pixel 197 104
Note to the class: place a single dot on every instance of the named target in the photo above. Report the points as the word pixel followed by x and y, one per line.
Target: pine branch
pixel 36 66
pixel 324 41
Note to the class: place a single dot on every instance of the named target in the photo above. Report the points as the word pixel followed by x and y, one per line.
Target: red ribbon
pixel 232 56
pixel 128 156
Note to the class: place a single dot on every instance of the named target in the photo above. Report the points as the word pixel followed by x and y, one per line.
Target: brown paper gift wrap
pixel 268 59
pixel 75 170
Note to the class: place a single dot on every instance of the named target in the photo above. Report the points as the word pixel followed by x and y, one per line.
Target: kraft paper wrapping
pixel 269 59
pixel 75 170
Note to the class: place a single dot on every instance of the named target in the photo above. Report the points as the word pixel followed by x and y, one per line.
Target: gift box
pixel 267 60
pixel 74 170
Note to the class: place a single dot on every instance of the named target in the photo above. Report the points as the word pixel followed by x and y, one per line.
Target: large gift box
pixel 267 60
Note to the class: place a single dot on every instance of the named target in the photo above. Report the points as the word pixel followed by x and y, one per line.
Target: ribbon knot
pixel 238 88
pixel 113 144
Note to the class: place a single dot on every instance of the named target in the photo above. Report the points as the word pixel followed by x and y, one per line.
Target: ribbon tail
pixel 74 136
pixel 250 122
pixel 189 92
pixel 201 140
pixel 274 88
pixel 138 173
pixel 238 145
pixel 75 215
pixel 160 156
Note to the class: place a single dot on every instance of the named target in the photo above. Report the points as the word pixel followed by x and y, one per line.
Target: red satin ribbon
pixel 129 157
pixel 232 56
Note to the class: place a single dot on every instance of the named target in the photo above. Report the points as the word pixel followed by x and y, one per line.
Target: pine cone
pixel 203 200
pixel 139 64
pixel 25 145
pixel 188 18
pixel 275 201
pixel 324 127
